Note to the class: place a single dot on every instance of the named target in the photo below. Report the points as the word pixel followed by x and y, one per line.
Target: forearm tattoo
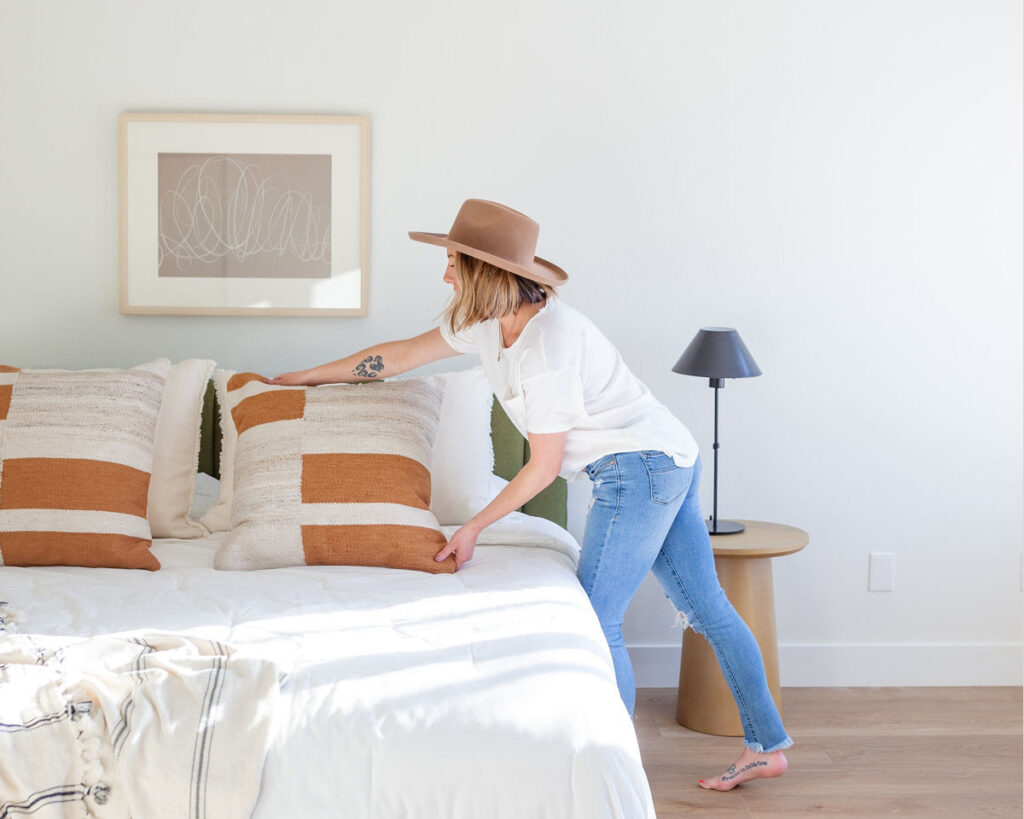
pixel 370 367
pixel 732 773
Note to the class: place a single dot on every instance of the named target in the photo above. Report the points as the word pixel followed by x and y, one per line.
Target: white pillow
pixel 462 478
pixel 206 493
pixel 462 469
pixel 176 451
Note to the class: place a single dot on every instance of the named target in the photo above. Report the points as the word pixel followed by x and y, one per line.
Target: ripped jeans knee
pixel 682 620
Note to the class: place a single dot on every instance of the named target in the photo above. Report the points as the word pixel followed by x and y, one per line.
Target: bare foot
pixel 750 765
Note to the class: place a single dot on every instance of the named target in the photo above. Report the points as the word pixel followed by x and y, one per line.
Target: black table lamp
pixel 717 353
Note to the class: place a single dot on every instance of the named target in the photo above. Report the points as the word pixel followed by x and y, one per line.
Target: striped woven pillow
pixel 337 474
pixel 76 453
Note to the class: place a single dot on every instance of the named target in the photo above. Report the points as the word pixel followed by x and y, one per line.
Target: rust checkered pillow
pixel 76 453
pixel 337 474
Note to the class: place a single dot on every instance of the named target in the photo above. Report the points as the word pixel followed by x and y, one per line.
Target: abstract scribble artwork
pixel 244 215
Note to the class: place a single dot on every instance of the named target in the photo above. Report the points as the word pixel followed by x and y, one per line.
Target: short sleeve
pixel 554 401
pixel 461 340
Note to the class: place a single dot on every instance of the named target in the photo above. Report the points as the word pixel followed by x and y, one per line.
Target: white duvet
pixel 483 694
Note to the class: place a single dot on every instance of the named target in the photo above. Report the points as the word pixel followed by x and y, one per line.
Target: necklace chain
pixel 501 339
pixel 501 335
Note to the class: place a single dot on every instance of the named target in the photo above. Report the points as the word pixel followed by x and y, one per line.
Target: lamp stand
pixel 716 526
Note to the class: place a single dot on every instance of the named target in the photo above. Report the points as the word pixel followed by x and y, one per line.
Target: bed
pixel 354 691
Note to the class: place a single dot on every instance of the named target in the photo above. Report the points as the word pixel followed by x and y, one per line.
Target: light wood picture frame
pixel 244 214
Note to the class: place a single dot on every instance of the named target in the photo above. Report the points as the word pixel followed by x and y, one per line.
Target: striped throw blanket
pixel 131 725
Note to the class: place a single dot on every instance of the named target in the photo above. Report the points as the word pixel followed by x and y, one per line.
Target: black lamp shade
pixel 717 352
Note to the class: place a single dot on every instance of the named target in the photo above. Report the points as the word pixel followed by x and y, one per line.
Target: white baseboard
pixel 861 664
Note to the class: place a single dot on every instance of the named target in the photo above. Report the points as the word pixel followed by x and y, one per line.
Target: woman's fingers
pixel 295 379
pixel 447 550
pixel 460 546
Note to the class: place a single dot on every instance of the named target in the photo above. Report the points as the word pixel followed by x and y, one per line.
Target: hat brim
pixel 541 270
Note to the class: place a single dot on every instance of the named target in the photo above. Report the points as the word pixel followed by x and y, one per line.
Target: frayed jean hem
pixel 758 748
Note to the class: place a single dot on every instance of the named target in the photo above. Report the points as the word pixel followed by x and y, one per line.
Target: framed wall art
pixel 244 214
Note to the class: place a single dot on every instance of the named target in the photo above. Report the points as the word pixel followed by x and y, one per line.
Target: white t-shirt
pixel 562 374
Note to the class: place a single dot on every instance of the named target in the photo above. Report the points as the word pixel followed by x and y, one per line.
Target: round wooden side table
pixel 744 567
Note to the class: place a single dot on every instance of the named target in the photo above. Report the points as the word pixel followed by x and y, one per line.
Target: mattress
pixel 485 693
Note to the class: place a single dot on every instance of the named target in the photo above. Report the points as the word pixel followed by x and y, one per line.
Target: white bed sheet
pixel 486 693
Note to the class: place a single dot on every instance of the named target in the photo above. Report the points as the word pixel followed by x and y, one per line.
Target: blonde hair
pixel 487 291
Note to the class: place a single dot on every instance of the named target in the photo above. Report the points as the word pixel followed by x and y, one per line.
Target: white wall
pixel 839 180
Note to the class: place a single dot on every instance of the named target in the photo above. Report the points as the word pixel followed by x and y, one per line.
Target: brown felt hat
pixel 499 235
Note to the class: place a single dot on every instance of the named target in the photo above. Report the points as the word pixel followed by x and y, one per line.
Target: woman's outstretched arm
pixel 546 452
pixel 373 363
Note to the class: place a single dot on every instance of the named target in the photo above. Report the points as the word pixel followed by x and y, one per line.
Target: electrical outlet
pixel 881 571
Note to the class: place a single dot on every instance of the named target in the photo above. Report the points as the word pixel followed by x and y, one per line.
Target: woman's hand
pixel 545 459
pixel 299 378
pixel 461 544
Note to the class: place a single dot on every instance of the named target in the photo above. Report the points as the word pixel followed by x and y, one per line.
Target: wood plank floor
pixel 927 752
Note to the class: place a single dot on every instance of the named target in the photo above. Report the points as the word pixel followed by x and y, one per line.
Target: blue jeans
pixel 646 515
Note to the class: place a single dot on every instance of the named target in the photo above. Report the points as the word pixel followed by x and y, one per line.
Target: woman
pixel 566 388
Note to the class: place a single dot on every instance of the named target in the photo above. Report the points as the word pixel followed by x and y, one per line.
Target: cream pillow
pixel 176 451
pixel 462 461
pixel 76 454
pixel 337 475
